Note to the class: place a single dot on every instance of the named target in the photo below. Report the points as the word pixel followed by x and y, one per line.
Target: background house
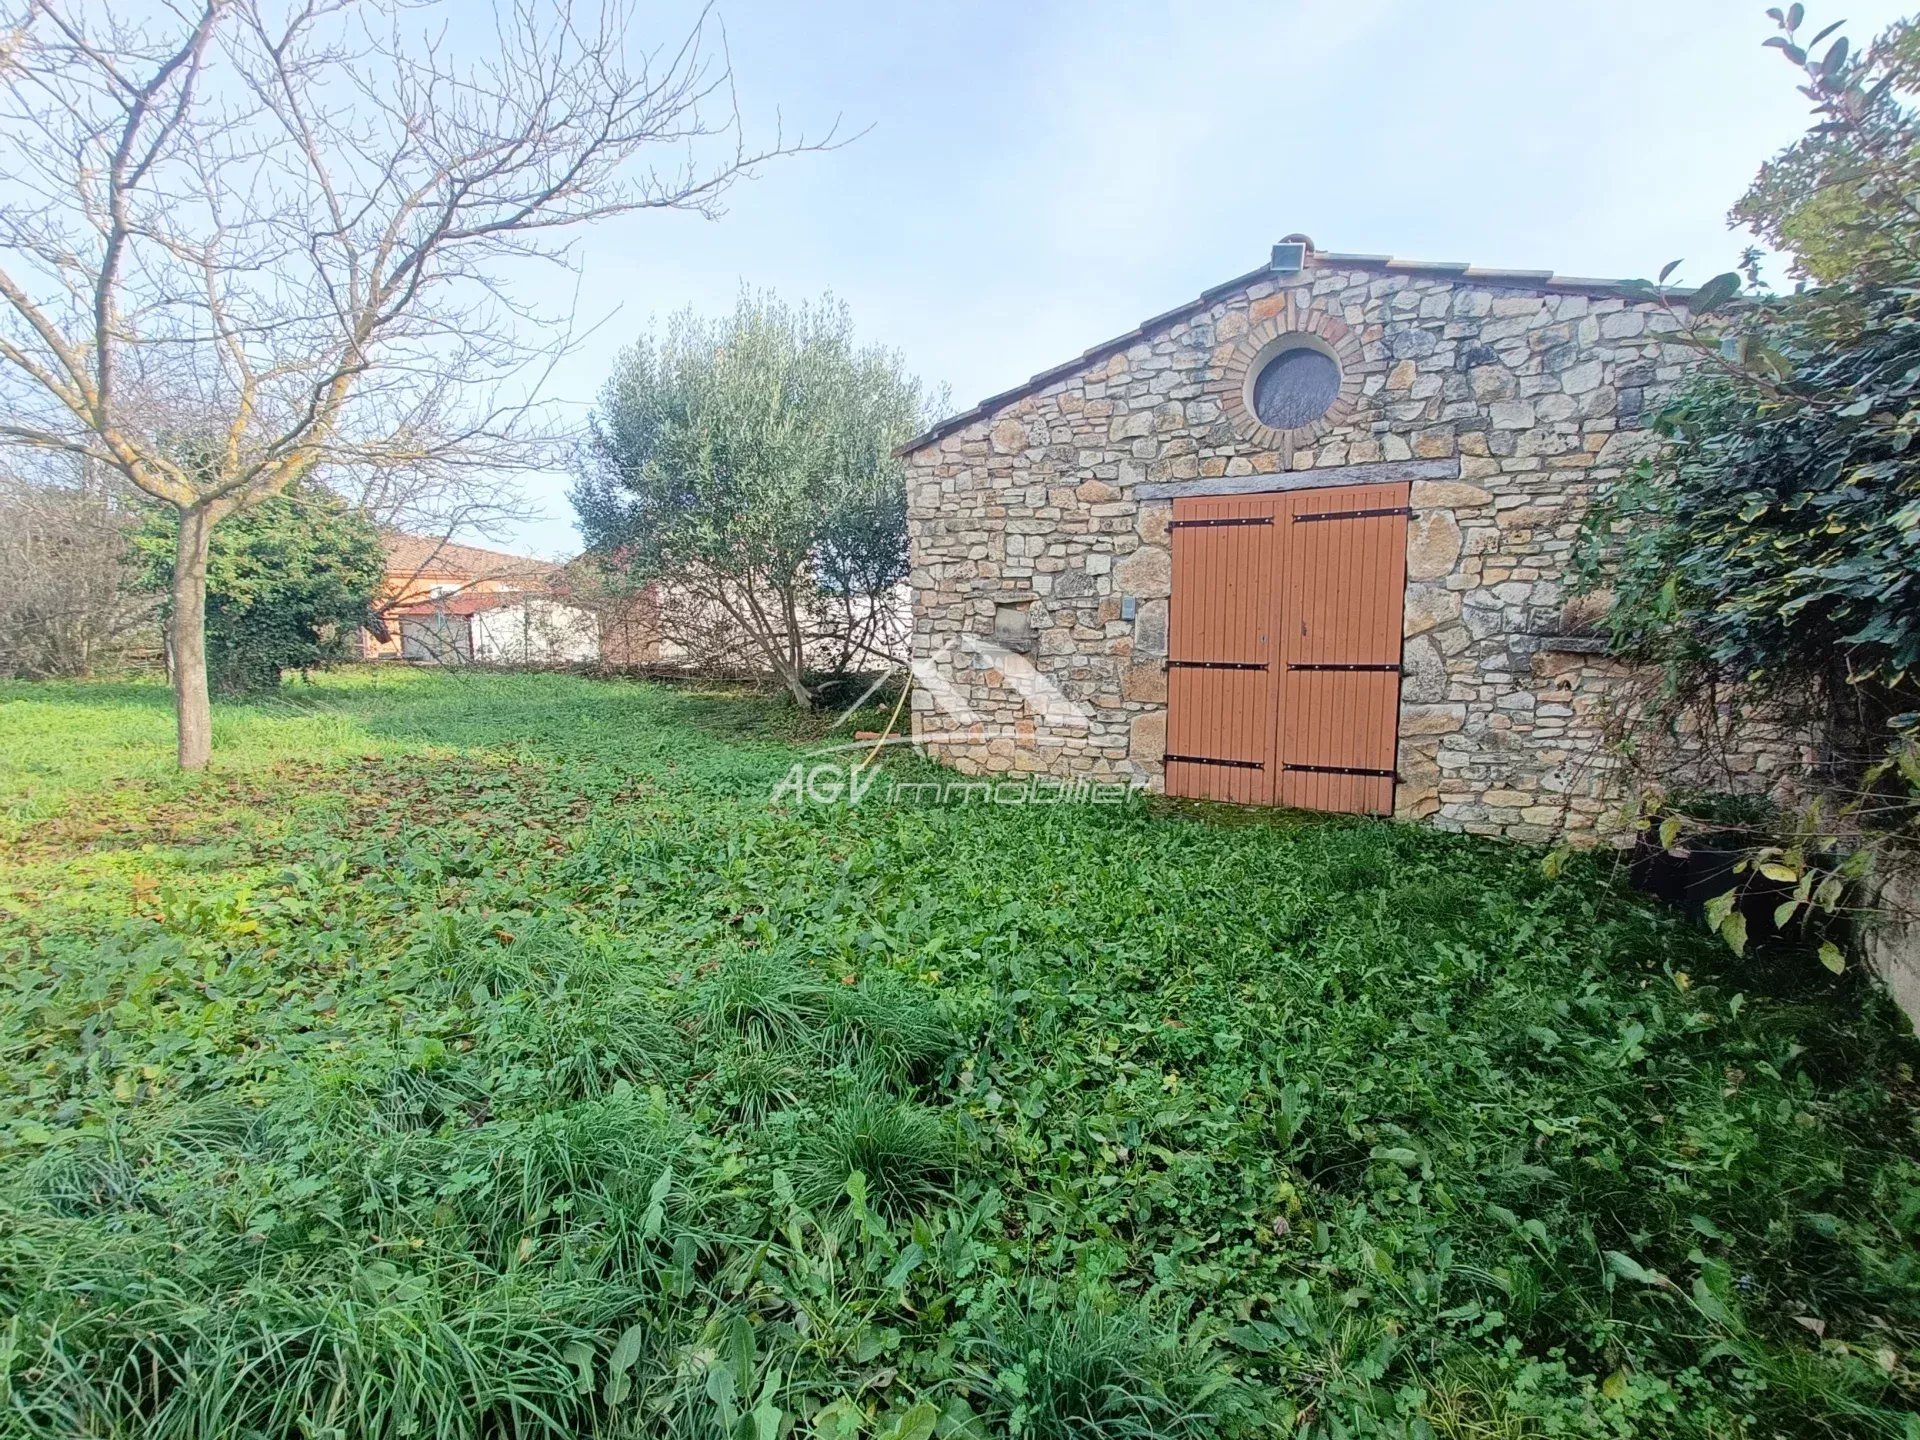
pixel 498 628
pixel 448 603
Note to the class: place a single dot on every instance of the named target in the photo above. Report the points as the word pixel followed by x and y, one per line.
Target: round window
pixel 1296 388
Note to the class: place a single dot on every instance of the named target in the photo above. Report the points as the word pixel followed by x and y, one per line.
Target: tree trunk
pixel 796 685
pixel 187 634
pixel 795 670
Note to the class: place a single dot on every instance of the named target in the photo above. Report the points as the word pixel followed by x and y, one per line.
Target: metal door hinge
pixel 1319 665
pixel 1354 514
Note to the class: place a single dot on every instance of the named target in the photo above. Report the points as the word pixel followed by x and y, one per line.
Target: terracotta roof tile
pixel 409 555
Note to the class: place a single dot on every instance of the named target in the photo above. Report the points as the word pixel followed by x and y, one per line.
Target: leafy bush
pixel 1775 539
pixel 1767 557
pixel 289 582
pixel 1778 539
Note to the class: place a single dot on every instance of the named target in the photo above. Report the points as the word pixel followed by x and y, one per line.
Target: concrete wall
pixel 535 632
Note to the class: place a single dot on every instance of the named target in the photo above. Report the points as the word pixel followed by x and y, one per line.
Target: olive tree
pixel 746 467
pixel 297 227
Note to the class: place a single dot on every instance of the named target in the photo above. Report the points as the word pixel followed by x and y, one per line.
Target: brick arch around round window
pixel 1296 325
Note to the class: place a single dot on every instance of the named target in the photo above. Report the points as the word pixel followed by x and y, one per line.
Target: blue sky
pixel 1037 177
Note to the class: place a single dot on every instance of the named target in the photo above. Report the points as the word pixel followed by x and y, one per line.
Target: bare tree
pixel 295 229
pixel 72 600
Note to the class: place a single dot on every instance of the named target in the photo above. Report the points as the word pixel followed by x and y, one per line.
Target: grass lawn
pixel 478 1054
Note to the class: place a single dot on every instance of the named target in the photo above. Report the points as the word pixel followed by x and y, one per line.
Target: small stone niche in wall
pixel 1013 625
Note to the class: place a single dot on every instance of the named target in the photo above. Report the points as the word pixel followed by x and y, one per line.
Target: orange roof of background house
pixel 416 554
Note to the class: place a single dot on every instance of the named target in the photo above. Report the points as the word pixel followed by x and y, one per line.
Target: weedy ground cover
pixel 484 1055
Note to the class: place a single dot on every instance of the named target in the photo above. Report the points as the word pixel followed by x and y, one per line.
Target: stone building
pixel 1461 418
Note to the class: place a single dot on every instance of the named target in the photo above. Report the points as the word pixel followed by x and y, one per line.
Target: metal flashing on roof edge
pixel 1312 258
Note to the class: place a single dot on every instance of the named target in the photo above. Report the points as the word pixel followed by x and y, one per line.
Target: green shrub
pixel 290 581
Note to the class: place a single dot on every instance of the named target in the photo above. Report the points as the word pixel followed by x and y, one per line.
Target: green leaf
pixel 841 1419
pixel 1831 957
pixel 915 1424
pixel 619 1383
pixel 1719 907
pixel 656 1215
pixel 628 1349
pixel 909 1260
pixel 958 1422
pixel 721 1390
pixel 740 1354
pixel 1715 293
pixel 579 1354
pixel 1628 1268
pixel 1733 929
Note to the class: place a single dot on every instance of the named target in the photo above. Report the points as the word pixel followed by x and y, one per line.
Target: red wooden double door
pixel 1283 647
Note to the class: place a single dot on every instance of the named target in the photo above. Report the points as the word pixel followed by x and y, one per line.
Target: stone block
pixel 1150 628
pixel 1147 738
pixel 1437 719
pixel 1146 574
pixel 1423 672
pixel 1433 545
pixel 1145 682
pixel 1448 495
pixel 1427 607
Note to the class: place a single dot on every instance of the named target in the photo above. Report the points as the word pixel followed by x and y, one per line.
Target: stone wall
pixel 1042 569
pixel 1892 934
